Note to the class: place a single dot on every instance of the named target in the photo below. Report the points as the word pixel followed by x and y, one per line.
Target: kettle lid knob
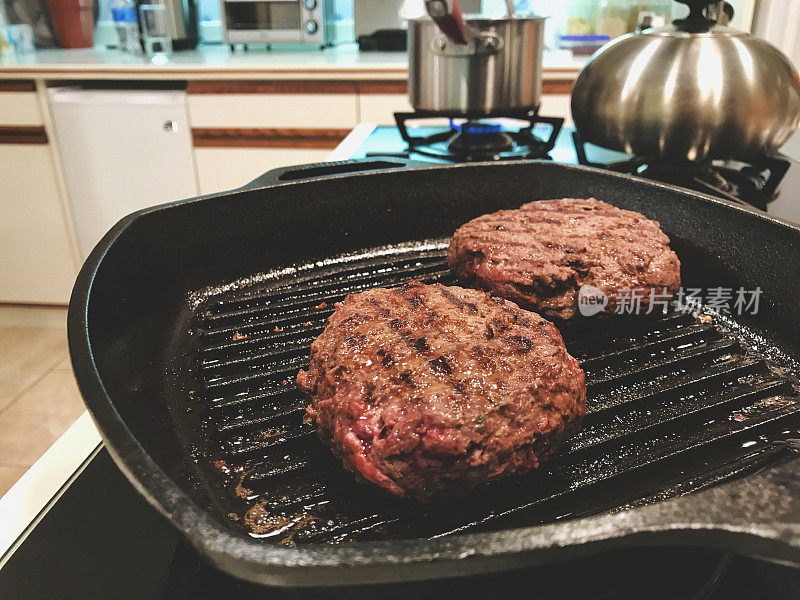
pixel 697 21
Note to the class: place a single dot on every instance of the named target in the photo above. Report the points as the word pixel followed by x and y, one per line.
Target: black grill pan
pixel 189 321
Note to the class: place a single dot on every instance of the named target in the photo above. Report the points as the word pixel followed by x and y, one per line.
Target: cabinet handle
pixel 170 126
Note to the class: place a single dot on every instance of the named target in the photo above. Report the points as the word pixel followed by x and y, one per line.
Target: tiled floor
pixel 39 398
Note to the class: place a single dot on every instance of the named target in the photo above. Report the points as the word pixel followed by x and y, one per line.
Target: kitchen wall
pixel 778 21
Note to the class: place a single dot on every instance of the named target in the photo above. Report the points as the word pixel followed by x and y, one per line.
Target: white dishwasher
pixel 120 151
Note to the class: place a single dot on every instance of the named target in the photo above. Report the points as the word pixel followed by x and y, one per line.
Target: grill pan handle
pixel 757 515
pixel 329 169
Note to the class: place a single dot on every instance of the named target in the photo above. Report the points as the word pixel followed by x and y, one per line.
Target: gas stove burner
pixel 476 127
pixel 479 138
pixel 743 183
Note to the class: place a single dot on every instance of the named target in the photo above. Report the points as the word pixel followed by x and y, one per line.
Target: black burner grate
pixel 747 184
pixel 465 143
pixel 675 404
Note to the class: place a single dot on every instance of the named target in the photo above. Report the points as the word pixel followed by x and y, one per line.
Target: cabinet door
pixel 36 263
pixel 380 108
pixel 223 169
pixel 19 108
pixel 121 151
pixel 273 110
pixel 557 105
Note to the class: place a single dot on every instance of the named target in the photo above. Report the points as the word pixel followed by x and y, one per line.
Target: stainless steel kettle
pixel 693 90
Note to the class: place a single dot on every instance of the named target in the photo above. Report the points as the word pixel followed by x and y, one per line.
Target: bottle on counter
pixel 579 31
pixel 581 18
pixel 123 12
pixel 652 13
pixel 613 17
pixel 5 47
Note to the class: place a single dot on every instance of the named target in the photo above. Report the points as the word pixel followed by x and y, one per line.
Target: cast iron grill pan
pixel 188 324
pixel 676 402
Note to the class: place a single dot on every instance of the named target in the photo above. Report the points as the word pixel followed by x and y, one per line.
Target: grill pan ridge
pixel 677 403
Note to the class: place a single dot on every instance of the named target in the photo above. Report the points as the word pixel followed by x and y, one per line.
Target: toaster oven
pixel 309 22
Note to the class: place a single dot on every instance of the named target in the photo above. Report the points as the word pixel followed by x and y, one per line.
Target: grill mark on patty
pixel 418 344
pixel 387 360
pixel 517 318
pixel 355 341
pixel 532 216
pixel 581 268
pixel 421 345
pixel 356 319
pixel 649 242
pixel 501 325
pixel 440 365
pixel 415 300
pixel 464 306
pixel 503 316
pixel 520 343
pixel 405 377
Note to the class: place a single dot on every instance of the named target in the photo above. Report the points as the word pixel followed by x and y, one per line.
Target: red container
pixel 73 21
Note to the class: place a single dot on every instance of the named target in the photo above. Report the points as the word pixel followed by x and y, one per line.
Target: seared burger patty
pixel 428 391
pixel 542 253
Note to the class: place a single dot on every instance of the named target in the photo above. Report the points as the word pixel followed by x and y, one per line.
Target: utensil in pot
pixel 691 91
pixel 450 23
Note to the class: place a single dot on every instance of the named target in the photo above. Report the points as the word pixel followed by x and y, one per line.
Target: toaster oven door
pixel 271 21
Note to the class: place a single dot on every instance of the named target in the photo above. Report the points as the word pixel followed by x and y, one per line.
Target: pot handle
pixel 331 169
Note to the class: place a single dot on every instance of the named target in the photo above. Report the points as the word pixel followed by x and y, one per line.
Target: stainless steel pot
pixel 499 69
pixel 689 91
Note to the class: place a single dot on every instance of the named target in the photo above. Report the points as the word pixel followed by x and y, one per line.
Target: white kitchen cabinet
pixel 19 108
pixel 380 108
pixel 557 105
pixel 120 151
pixel 222 169
pixel 273 110
pixel 36 264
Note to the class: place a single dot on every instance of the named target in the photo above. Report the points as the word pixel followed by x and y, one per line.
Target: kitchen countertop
pixel 219 62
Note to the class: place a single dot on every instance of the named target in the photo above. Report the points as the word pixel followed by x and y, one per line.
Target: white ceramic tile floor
pixel 39 398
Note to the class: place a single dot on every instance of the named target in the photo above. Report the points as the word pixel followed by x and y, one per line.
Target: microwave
pixel 309 22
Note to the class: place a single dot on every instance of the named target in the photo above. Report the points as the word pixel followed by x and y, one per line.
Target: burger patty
pixel 541 254
pixel 428 391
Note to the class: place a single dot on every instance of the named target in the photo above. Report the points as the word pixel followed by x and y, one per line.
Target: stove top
pixel 101 540
pixel 537 137
pixel 507 136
